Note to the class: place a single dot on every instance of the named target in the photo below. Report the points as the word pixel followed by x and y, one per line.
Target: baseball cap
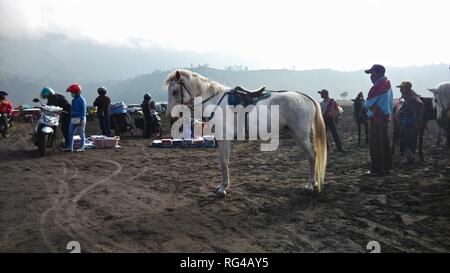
pixel 405 84
pixel 378 68
pixel 323 91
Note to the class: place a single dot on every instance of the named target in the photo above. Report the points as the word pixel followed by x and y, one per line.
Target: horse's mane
pixel 197 82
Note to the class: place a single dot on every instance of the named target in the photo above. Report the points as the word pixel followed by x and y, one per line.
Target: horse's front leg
pixel 359 132
pixel 224 157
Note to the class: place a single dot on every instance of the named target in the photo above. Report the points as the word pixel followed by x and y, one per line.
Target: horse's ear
pixel 177 75
pixel 433 90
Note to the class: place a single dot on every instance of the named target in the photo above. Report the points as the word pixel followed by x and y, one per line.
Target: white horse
pixel 441 100
pixel 298 112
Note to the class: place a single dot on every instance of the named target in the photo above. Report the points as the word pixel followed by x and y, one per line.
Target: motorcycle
pixel 44 134
pixel 156 125
pixel 2 126
pixel 122 123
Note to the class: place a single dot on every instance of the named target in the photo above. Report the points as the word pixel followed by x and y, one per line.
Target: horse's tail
pixel 320 145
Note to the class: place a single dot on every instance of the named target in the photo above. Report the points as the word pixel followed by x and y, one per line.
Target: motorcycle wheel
pixel 43 140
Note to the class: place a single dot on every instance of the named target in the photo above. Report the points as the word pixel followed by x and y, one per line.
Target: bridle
pixel 182 85
pixel 185 87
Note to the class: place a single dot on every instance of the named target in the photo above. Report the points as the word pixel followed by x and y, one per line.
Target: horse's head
pixel 429 109
pixel 180 90
pixel 441 100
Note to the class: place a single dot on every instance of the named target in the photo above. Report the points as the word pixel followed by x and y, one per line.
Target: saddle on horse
pixel 241 96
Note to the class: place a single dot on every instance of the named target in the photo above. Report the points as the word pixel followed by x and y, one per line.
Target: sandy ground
pixel 141 199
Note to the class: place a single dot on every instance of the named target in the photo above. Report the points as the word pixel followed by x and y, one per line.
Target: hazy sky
pixel 343 35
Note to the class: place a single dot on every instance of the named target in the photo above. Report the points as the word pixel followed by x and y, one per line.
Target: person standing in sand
pixel 78 117
pixel 410 120
pixel 379 105
pixel 330 110
pixel 103 102
pixel 148 106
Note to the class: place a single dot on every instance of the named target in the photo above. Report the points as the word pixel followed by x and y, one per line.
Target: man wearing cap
pixel 410 120
pixel 379 105
pixel 329 112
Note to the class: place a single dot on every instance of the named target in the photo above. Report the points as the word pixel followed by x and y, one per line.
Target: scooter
pixel 44 134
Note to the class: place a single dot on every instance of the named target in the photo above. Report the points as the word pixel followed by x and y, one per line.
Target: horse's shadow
pixel 297 199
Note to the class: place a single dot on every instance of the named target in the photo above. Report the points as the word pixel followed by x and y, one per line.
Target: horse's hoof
pixel 309 187
pixel 220 194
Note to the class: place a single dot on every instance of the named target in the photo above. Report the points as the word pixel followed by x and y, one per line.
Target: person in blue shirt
pixel 78 117
pixel 379 105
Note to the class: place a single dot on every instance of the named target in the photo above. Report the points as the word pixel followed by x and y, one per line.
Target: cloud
pixel 346 35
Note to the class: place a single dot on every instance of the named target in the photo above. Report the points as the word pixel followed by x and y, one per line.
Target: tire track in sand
pixel 63 194
pixel 121 190
pixel 74 223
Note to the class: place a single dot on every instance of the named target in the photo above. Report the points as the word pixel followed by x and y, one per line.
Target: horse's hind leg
pixel 305 143
pixel 224 157
pixel 307 147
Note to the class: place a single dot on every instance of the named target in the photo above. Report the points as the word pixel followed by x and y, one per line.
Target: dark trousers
pixel 105 125
pixel 65 122
pixel 408 140
pixel 331 125
pixel 380 151
pixel 147 127
pixel 5 122
pixel 365 124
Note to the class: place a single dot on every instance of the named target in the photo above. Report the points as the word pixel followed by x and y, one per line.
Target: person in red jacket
pixel 6 110
pixel 330 109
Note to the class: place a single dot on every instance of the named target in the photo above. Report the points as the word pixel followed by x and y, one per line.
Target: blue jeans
pixel 104 124
pixel 72 129
pixel 331 125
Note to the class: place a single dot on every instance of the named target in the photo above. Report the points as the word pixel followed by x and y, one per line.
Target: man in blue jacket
pixel 78 117
pixel 379 105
